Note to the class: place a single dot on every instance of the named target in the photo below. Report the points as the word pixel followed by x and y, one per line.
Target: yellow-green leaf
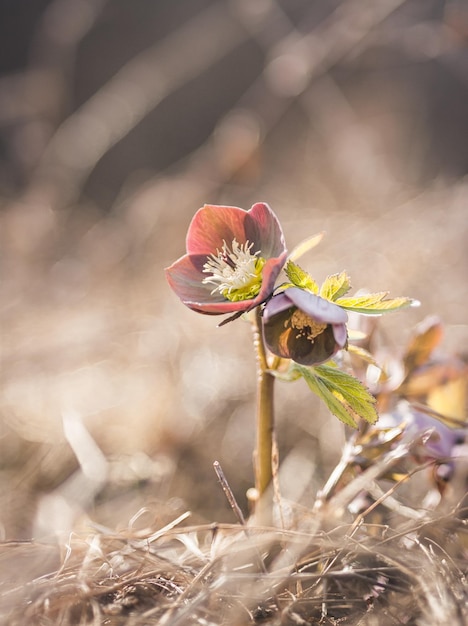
pixel 345 396
pixel 300 278
pixel 375 303
pixel 335 286
pixel 353 391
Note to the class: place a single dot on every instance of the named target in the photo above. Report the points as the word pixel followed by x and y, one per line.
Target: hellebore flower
pixel 304 327
pixel 435 440
pixel 233 259
pixel 441 439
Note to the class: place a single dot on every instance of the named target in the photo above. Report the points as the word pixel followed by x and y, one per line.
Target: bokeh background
pixel 118 120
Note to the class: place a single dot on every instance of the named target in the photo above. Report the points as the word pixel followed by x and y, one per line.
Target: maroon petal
pixel 263 228
pixel 270 273
pixel 322 350
pixel 285 341
pixel 211 226
pixel 185 277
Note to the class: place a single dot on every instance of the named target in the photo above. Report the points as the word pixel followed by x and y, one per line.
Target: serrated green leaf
pixel 300 278
pixel 335 286
pixel 332 402
pixel 345 396
pixel 305 246
pixel 374 303
pixel 353 391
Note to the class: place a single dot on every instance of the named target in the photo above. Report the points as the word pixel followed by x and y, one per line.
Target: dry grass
pixel 223 574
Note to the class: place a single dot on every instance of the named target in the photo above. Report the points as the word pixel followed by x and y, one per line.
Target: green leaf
pixel 300 278
pixel 375 303
pixel 353 391
pixel 305 246
pixel 345 396
pixel 335 286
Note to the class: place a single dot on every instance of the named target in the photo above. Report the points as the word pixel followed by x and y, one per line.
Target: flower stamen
pixel 236 272
pixel 305 325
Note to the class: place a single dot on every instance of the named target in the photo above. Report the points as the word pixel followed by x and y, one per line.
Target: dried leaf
pixel 367 357
pixel 427 336
pixel 305 246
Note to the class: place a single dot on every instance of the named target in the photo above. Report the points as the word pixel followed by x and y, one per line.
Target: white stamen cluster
pixel 231 270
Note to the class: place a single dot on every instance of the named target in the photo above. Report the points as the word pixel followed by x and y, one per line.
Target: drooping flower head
pixel 304 327
pixel 233 259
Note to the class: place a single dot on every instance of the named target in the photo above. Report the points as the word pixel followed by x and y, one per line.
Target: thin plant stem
pixel 265 429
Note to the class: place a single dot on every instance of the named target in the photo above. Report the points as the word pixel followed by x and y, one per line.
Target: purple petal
pixel 340 333
pixel 443 438
pixel 277 304
pixel 318 308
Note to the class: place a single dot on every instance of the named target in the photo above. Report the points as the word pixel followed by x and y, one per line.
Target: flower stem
pixel 265 429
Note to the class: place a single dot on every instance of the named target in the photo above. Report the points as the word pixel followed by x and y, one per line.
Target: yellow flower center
pixel 305 325
pixel 235 272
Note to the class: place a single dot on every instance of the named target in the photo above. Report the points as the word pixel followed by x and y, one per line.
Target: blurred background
pixel 118 120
